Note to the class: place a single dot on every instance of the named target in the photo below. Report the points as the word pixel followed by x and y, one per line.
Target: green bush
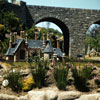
pixel 14 80
pixel 60 75
pixel 81 76
pixel 39 72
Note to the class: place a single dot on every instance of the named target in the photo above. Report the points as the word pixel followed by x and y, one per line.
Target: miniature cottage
pixel 22 48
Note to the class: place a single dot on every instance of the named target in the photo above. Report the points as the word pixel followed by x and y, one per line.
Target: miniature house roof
pixel 34 43
pixel 31 44
pixel 48 49
pixel 14 48
pixel 58 52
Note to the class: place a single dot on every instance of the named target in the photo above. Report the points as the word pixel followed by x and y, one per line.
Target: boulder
pixel 98 90
pixel 89 97
pixel 23 97
pixel 51 94
pixel 25 72
pixel 36 95
pixel 8 97
pixel 68 95
pixel 1 79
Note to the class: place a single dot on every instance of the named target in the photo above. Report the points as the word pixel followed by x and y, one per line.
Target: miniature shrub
pixel 60 75
pixel 39 72
pixel 81 76
pixel 28 84
pixel 14 77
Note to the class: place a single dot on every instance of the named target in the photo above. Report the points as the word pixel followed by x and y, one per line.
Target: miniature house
pixel 22 48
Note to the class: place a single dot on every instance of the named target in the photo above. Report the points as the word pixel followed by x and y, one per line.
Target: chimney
pixel 26 38
pixel 22 34
pixel 48 36
pixel 26 42
pixel 36 33
pixel 44 42
pixel 58 43
pixel 10 42
pixel 15 37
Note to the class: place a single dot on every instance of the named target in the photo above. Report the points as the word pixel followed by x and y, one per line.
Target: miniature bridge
pixel 73 22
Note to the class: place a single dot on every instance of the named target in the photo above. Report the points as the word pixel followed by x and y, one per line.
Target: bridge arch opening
pixel 63 28
pixel 93 39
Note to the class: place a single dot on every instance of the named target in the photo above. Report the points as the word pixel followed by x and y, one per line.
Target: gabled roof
pixel 10 52
pixel 14 48
pixel 58 52
pixel 34 43
pixel 48 49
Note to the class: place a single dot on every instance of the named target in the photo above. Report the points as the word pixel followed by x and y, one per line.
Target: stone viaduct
pixel 73 22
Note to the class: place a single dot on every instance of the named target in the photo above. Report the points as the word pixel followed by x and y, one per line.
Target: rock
pixel 5 83
pixel 1 79
pixel 25 72
pixel 89 97
pixel 68 95
pixel 99 98
pixel 8 97
pixel 98 90
pixel 0 67
pixel 36 95
pixel 23 97
pixel 1 71
pixel 4 67
pixel 51 94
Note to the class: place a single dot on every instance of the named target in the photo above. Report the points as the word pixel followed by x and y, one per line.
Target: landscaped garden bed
pixel 25 79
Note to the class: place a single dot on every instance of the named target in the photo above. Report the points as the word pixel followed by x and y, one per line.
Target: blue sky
pixel 87 4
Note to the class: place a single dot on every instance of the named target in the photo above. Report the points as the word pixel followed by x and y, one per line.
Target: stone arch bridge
pixel 73 22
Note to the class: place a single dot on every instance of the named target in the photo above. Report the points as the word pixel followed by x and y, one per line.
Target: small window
pixel 22 54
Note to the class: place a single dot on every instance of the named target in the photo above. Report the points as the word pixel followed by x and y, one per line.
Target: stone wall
pixel 52 94
pixel 73 22
pixel 76 20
